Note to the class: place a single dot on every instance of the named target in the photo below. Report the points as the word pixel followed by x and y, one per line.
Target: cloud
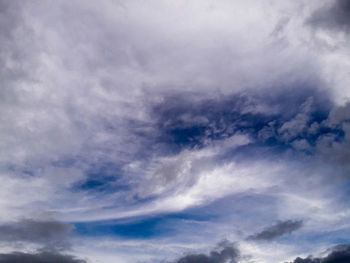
pixel 275 231
pixel 53 237
pixel 50 234
pixel 107 113
pixel 338 254
pixel 334 146
pixel 43 257
pixel 226 253
pixel 333 14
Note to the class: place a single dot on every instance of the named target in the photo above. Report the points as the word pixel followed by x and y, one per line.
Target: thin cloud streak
pixel 277 230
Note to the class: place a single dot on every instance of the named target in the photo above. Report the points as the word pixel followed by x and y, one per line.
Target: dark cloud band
pixel 279 229
pixel 44 257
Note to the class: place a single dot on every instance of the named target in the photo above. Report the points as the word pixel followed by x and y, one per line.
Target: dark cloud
pixel 51 234
pixel 226 253
pixel 329 145
pixel 335 15
pixel 43 257
pixel 338 254
pixel 279 229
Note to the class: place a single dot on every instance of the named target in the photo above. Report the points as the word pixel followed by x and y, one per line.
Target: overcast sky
pixel 174 131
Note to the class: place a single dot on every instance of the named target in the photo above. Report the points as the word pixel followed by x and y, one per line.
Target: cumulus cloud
pixel 277 230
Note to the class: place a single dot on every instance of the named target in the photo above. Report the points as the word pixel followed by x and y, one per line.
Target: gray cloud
pixel 277 230
pixel 227 253
pixel 43 257
pixel 334 15
pixel 51 234
pixel 338 254
pixel 333 149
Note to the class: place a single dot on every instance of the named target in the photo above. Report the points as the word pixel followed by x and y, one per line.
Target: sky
pixel 175 131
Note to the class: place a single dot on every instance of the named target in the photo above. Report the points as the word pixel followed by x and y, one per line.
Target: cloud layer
pixel 136 131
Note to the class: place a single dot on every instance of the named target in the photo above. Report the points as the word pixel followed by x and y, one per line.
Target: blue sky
pixel 174 131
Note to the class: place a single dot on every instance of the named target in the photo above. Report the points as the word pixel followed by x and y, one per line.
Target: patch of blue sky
pixel 144 229
pixel 183 124
pixel 192 220
pixel 140 228
pixel 102 177
pixel 321 237
pixel 341 193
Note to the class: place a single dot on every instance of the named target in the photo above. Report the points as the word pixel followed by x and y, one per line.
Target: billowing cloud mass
pixel 147 131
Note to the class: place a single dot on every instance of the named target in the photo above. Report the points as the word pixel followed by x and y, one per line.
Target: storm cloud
pixel 338 254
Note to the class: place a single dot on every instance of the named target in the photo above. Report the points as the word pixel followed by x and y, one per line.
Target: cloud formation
pixel 277 230
pixel 226 253
pixel 333 15
pixel 43 257
pixel 155 114
pixel 338 254
pixel 49 234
